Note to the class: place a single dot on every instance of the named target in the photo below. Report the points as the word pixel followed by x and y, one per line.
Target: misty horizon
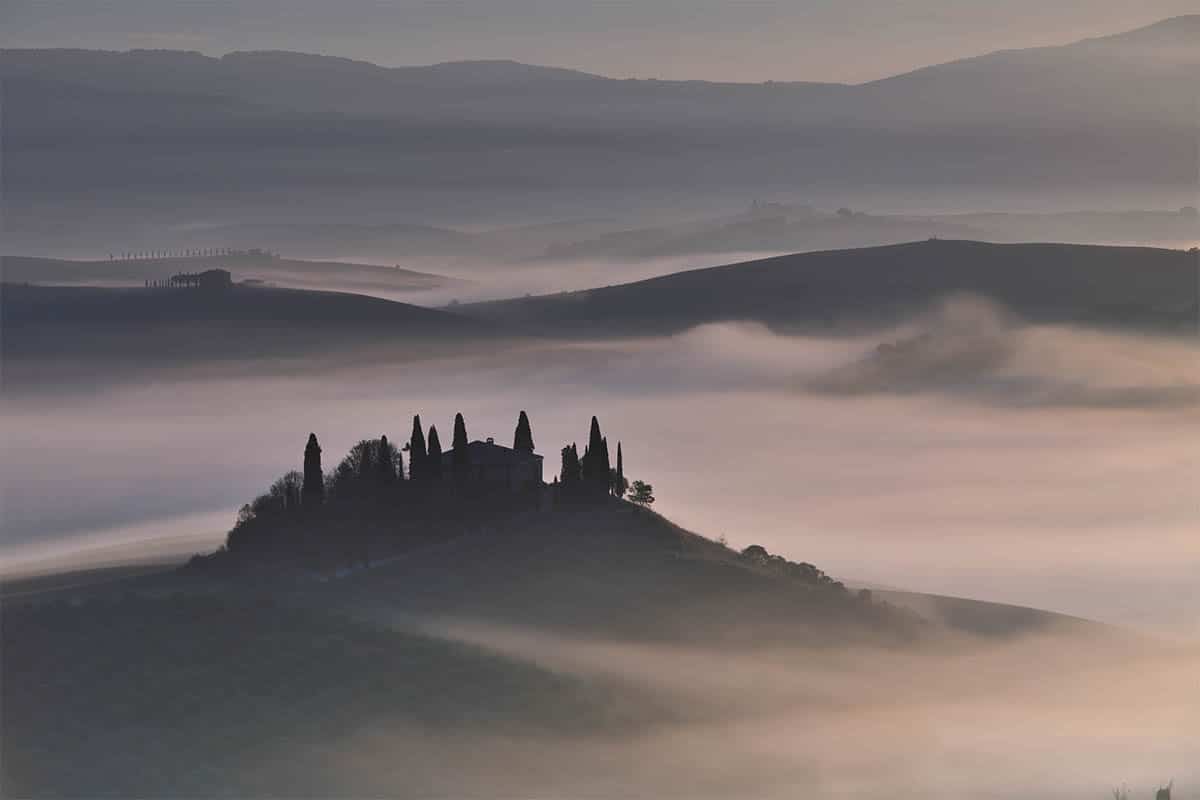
pixel 515 398
pixel 952 39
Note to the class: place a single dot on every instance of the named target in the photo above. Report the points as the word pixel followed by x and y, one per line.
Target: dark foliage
pixel 569 474
pixel 388 462
pixel 462 455
pixel 595 464
pixel 758 556
pixel 366 466
pixel 641 493
pixel 523 437
pixel 314 479
pixel 619 485
pixel 417 453
pixel 434 461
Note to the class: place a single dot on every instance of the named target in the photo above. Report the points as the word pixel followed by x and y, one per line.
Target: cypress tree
pixel 416 451
pixel 595 459
pixel 619 489
pixel 570 465
pixel 385 464
pixel 314 478
pixel 433 460
pixel 523 438
pixel 595 439
pixel 462 456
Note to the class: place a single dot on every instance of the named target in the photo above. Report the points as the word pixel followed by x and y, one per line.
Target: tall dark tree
pixel 385 461
pixel 569 475
pixel 619 484
pixel 595 438
pixel 462 455
pixel 433 460
pixel 595 461
pixel 523 438
pixel 314 478
pixel 416 451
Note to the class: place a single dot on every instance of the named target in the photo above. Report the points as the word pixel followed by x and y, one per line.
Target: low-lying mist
pixel 1056 715
pixel 964 452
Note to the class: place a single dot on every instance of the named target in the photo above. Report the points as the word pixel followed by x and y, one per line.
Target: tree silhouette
pixel 385 461
pixel 462 456
pixel 416 451
pixel 314 479
pixel 357 472
pixel 569 474
pixel 641 493
pixel 523 437
pixel 433 460
pixel 620 486
pixel 595 466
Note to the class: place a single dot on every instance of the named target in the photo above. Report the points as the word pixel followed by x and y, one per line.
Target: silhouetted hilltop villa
pixel 383 496
pixel 491 464
pixel 421 471
pixel 208 279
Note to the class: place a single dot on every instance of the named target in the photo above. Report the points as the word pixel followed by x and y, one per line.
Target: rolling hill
pixel 1142 287
pixel 295 273
pixel 190 326
pixel 512 626
pixel 256 672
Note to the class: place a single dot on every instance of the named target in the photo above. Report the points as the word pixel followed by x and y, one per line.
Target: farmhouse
pixel 491 464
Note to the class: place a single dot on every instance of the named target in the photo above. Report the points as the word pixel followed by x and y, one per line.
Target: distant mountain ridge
pixel 1178 30
pixel 251 130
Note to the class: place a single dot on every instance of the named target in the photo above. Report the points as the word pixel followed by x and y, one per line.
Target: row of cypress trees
pixel 424 455
pixel 593 473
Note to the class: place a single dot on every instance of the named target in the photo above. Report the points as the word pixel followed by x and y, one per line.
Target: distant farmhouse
pixel 208 279
pixel 491 464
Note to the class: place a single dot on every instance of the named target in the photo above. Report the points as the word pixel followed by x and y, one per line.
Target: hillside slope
pixel 586 627
pixel 1143 287
pixel 290 272
pixel 183 325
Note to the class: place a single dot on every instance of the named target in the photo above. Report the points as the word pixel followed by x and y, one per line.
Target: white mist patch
pixel 972 348
pixel 1057 715
pixel 171 538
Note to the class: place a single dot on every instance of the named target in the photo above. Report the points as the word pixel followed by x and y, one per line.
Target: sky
pixel 748 40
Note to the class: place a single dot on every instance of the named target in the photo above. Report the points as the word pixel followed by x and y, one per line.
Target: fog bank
pixel 962 453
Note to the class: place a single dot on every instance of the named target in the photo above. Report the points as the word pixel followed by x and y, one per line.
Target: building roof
pixel 491 453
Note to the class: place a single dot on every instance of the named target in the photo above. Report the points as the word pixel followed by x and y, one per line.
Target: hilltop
pixel 256 265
